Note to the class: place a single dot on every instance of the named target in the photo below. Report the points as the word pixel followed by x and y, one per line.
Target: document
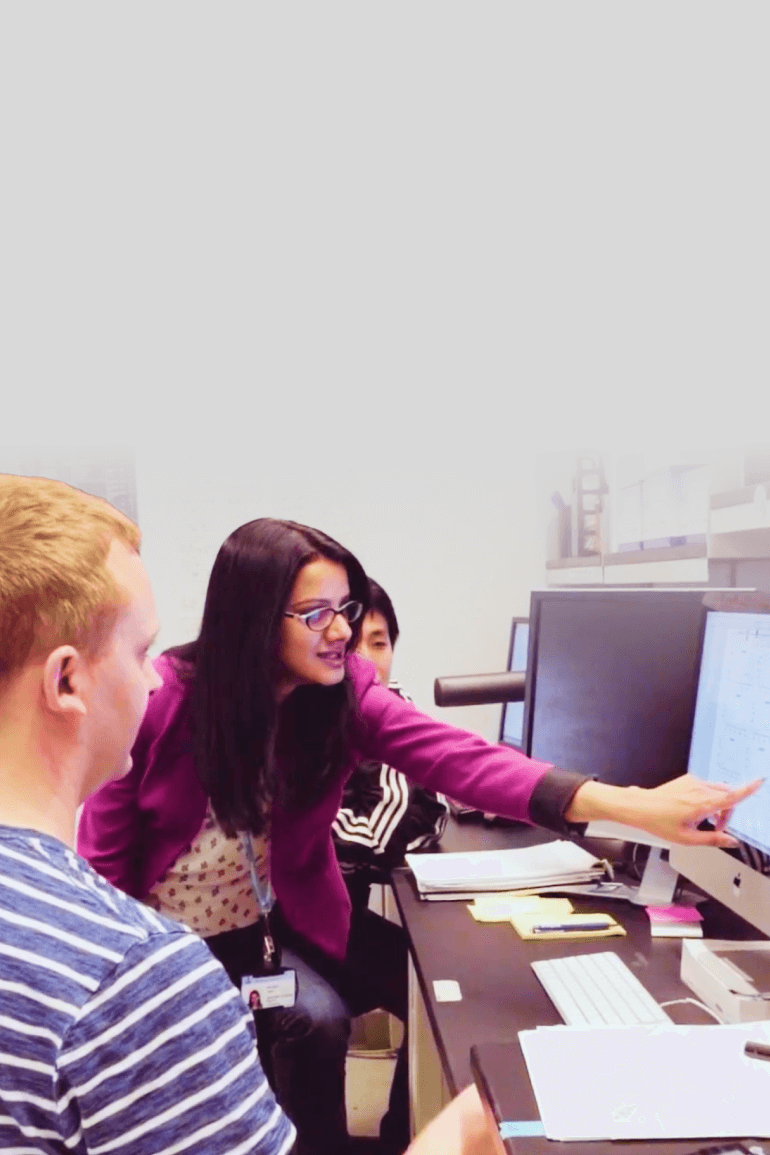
pixel 545 864
pixel 652 1082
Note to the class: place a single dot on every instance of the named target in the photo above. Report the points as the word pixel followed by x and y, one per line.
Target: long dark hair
pixel 251 752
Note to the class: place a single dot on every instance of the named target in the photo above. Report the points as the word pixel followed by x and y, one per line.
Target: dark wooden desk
pixel 500 993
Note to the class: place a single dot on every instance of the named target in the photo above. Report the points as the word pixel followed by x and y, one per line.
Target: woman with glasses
pixel 237 776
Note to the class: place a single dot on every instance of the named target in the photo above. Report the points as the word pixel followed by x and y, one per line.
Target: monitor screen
pixel 731 732
pixel 612 681
pixel 512 720
pixel 731 735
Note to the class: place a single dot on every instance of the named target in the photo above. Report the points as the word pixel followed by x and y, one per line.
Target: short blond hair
pixel 55 588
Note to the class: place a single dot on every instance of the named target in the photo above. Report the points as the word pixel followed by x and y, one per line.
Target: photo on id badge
pixel 261 992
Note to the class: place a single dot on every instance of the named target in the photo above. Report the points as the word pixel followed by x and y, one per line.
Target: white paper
pixel 447 991
pixel 652 1082
pixel 528 866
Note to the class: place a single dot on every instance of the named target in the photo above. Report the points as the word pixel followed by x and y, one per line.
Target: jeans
pixel 303 1048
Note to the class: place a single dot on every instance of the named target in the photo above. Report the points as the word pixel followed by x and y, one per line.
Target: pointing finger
pixel 712 838
pixel 744 791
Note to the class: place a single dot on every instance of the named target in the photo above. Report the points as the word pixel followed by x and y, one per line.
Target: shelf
pixel 745 545
pixel 575 571
pixel 687 564
pixel 671 571
pixel 577 576
pixel 740 524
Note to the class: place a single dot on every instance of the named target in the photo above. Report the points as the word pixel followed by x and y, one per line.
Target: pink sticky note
pixel 674 913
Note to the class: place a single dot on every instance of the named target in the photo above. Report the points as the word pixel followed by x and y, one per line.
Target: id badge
pixel 261 992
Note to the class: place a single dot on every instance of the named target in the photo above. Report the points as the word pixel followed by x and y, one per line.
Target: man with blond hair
pixel 119 1031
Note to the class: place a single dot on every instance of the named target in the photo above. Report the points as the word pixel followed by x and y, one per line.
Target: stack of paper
pixel 652 1082
pixel 462 875
pixel 675 921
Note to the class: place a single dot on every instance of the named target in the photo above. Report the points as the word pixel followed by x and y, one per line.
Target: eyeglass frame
pixel 326 609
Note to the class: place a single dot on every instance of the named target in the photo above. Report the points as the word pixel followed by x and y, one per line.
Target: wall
pixel 456 541
pixel 359 264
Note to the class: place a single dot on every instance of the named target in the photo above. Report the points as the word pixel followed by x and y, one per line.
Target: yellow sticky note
pixel 502 908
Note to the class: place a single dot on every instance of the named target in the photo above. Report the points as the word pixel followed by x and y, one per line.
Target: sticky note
pixel 513 1130
pixel 502 909
pixel 447 991
pixel 674 913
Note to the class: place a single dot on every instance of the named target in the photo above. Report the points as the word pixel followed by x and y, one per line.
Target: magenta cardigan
pixel 134 828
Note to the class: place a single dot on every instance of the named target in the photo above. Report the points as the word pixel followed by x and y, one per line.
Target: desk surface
pixel 501 994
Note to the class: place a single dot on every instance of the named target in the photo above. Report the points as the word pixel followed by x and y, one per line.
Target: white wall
pixel 458 544
pixel 358 264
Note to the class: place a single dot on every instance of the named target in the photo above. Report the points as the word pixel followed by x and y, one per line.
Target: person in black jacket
pixel 383 815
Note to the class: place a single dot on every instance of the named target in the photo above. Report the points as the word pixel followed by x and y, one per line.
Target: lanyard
pixel 263 893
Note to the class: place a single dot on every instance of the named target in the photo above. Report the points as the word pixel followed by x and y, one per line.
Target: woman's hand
pixel 673 811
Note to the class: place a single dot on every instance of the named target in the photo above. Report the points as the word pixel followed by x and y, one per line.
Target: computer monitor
pixel 512 717
pixel 731 745
pixel 612 680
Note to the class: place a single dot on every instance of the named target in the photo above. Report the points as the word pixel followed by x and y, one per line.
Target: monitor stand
pixel 659 881
pixel 657 887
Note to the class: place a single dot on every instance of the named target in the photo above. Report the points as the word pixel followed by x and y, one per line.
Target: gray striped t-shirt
pixel 119 1032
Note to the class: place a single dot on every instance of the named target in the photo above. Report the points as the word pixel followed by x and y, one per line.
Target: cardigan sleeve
pixel 109 832
pixel 457 762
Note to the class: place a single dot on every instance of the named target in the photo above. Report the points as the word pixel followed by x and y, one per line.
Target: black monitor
pixel 512 717
pixel 611 681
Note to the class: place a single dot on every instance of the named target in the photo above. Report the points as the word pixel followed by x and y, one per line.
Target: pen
pixel 585 924
pixel 757 1050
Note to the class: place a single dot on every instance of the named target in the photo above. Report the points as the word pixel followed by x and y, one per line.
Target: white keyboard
pixel 594 989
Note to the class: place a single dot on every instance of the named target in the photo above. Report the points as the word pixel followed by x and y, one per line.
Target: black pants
pixel 303 1048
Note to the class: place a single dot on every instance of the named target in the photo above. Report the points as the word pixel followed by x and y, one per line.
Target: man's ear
pixel 65 681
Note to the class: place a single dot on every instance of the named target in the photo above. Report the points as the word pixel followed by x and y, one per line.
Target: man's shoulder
pixel 51 890
pixel 131 1012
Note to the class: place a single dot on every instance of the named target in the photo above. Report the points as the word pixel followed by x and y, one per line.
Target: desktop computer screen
pixel 512 719
pixel 612 680
pixel 730 745
pixel 731 732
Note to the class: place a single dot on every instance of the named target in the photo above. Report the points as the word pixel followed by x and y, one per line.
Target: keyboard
pixel 595 989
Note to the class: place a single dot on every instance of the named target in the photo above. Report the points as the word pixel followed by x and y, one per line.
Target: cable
pixel 695 1003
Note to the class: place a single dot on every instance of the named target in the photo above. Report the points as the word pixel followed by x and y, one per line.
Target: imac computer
pixel 512 719
pixel 731 745
pixel 611 681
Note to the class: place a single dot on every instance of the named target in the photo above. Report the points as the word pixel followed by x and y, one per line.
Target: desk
pixel 501 994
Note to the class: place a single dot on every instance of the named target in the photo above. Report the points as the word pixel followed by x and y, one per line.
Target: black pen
pixel 757 1050
pixel 586 924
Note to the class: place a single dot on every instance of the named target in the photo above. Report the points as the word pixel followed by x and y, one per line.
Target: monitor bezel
pixel 515 623
pixel 733 883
